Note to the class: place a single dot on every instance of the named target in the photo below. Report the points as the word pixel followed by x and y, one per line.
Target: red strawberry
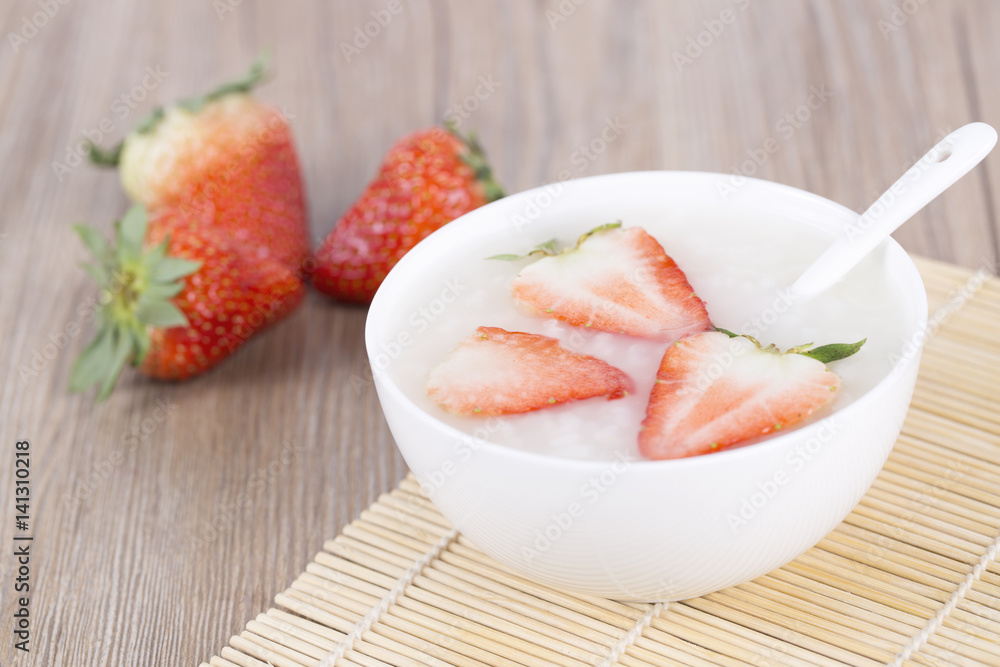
pixel 497 372
pixel 426 180
pixel 617 280
pixel 178 296
pixel 715 390
pixel 228 156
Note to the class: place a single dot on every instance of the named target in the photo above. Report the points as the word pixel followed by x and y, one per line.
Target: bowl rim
pixel 385 385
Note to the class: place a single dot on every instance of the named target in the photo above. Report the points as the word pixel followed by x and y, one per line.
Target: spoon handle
pixel 948 161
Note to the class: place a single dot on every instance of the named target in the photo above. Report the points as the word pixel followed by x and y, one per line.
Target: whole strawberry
pixel 426 180
pixel 179 295
pixel 227 156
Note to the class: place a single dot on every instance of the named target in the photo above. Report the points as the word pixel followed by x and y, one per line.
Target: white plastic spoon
pixel 952 157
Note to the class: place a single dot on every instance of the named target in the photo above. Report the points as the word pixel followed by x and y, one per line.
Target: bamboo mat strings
pixel 910 578
pixel 917 641
pixel 365 624
pixel 632 635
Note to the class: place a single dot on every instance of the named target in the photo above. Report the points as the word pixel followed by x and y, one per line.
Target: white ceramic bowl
pixel 663 530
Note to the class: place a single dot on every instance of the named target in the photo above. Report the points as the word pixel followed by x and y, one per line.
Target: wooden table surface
pixel 168 516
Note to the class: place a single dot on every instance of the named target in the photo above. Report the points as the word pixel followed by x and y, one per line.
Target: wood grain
pixel 167 517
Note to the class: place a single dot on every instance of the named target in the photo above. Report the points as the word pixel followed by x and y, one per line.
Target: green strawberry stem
pixel 245 84
pixel 475 157
pixel 104 158
pixel 825 353
pixel 596 230
pixel 548 248
pixel 137 286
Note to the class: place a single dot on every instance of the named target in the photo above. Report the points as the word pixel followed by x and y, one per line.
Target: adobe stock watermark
pixel 462 451
pixel 562 12
pixel 257 483
pixel 459 111
pixel 911 177
pixel 755 327
pixel 946 481
pixel 363 35
pixel 83 486
pixel 607 315
pixel 771 648
pixel 785 127
pixel 957 299
pixel 898 16
pixel 782 302
pixel 39 358
pixel 589 152
pixel 667 588
pixel 33 23
pixel 580 159
pixel 417 323
pixel 262 315
pixel 704 39
pixel 252 145
pixel 55 342
pixel 589 494
pixel 121 108
pixel 225 7
pixel 949 479
pixel 796 459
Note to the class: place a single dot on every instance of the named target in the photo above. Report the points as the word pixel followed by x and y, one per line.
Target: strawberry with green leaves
pixel 426 180
pixel 715 390
pixel 228 159
pixel 178 295
pixel 615 279
pixel 223 251
pixel 498 372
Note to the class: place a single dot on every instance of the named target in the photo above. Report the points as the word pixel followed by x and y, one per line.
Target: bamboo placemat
pixel 909 578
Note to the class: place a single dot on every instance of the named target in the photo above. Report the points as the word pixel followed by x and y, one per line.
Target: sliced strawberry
pixel 497 372
pixel 715 390
pixel 617 280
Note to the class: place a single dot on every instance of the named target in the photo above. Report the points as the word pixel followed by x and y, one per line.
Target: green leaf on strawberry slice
pixel 548 249
pixel 825 353
pixel 137 285
pixel 834 351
